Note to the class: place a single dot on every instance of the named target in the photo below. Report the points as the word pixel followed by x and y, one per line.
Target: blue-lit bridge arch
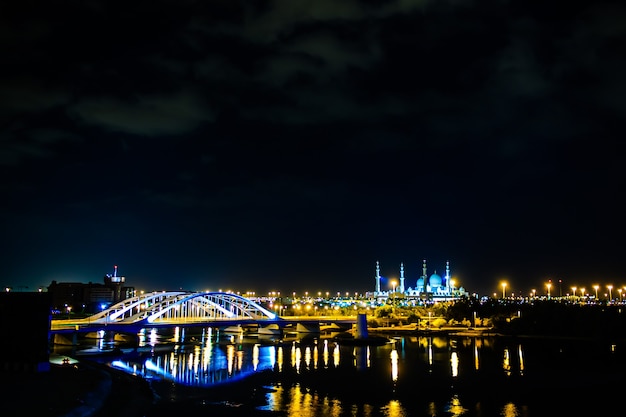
pixel 176 306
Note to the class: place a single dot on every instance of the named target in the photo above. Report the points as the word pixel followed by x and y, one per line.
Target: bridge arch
pixel 173 306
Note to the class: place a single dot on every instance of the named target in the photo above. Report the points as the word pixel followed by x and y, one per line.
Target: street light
pixel 574 291
pixel 610 287
pixel 595 287
pixel 504 290
pixel 549 285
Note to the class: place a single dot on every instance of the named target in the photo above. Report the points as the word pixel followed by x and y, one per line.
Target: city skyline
pixel 280 144
pixel 386 284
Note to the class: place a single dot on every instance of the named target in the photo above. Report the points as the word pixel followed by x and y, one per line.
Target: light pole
pixel 504 290
pixel 574 291
pixel 595 287
pixel 549 285
pixel 610 287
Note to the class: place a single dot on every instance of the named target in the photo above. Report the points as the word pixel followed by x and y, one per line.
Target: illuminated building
pixel 428 288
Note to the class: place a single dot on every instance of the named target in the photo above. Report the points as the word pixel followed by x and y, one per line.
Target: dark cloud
pixel 145 116
pixel 284 142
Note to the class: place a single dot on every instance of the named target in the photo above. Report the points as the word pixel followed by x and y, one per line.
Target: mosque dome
pixel 435 280
pixel 420 283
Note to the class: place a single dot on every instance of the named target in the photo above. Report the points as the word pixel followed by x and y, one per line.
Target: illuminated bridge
pixel 171 307
pixel 182 308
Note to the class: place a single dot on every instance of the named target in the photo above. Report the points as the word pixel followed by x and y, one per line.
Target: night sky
pixel 289 145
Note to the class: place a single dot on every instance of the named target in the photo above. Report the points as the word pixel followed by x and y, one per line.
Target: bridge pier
pixel 271 329
pixel 62 339
pixel 233 329
pixel 361 327
pixel 137 342
pixel 309 327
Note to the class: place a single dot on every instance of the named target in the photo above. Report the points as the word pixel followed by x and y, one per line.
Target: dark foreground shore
pixel 72 390
pixel 90 389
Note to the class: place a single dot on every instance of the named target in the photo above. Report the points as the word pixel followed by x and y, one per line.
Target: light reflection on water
pixel 412 375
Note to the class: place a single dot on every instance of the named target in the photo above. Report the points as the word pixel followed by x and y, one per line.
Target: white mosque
pixel 427 288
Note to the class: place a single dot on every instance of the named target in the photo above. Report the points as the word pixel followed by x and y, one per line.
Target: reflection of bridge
pixel 181 308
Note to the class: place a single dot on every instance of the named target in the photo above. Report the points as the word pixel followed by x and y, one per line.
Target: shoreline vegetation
pixel 540 319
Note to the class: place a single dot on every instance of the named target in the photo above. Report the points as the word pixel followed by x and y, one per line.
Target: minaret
pixel 377 277
pixel 448 274
pixel 402 277
pixel 425 276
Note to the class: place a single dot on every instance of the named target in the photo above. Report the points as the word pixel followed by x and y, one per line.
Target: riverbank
pixel 82 388
pixel 72 388
pixel 413 329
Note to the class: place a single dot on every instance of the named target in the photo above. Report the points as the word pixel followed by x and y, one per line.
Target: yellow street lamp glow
pixel 595 287
pixel 549 285
pixel 574 291
pixel 504 290
pixel 610 287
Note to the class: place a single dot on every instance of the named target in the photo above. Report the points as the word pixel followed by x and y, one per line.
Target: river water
pixel 411 375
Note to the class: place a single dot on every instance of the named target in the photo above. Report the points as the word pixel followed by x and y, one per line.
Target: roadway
pixel 86 325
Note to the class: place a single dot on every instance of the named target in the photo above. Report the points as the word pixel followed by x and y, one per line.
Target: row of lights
pixel 9 289
pixel 596 287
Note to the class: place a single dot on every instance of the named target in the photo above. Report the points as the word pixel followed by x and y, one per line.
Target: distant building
pixel 91 297
pixel 427 288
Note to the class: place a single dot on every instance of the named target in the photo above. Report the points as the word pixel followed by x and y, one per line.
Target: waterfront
pixel 412 375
